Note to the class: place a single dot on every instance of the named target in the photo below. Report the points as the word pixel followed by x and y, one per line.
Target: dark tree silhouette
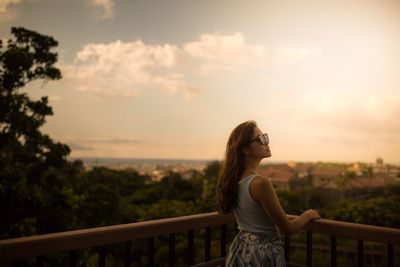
pixel 29 159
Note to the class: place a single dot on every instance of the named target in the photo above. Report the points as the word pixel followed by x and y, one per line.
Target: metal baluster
pixel 333 251
pixel 309 249
pixel 102 257
pixel 223 240
pixel 287 248
pixel 128 253
pixel 6 263
pixel 40 261
pixel 171 250
pixel 360 255
pixel 73 258
pixel 207 244
pixel 390 255
pixel 190 256
pixel 150 251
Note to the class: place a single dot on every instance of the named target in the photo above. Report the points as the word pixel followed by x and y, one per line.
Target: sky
pixel 171 79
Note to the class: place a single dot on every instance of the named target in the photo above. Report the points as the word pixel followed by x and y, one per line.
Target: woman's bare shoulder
pixel 261 180
pixel 260 186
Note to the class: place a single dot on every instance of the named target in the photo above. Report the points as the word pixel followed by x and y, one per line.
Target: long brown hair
pixel 233 165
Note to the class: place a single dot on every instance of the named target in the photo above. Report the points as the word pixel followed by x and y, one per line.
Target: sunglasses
pixel 262 138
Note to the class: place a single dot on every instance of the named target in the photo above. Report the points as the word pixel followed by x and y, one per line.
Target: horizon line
pixel 209 160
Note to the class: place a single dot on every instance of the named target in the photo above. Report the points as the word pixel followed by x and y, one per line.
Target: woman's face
pixel 256 148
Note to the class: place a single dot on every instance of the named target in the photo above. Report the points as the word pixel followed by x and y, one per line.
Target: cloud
pixel 223 52
pixel 230 52
pixel 123 69
pixel 107 7
pixel 91 144
pixel 354 112
pixel 6 13
pixel 78 147
pixel 5 4
pixel 116 141
pixel 176 82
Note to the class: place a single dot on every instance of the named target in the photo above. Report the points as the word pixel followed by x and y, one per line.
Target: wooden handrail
pixel 24 247
pixel 365 232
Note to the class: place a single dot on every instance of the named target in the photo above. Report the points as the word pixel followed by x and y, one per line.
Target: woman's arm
pixel 263 192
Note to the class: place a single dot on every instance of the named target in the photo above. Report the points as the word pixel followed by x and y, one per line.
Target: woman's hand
pixel 312 215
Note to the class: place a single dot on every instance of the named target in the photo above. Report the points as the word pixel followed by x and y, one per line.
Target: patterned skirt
pixel 256 249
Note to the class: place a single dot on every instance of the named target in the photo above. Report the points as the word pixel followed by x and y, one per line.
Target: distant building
pixel 279 174
pixel 379 167
pixel 394 172
pixel 356 168
pixel 326 176
pixel 365 182
pixel 157 175
pixel 292 176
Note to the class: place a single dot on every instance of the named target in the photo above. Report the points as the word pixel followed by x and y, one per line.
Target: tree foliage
pixel 381 211
pixel 29 159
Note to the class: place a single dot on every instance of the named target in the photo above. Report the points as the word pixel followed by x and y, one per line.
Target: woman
pixel 253 201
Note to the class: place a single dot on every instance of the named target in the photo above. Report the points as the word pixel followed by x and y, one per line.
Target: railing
pixel 73 241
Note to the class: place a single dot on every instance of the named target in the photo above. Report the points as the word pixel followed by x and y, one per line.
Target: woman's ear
pixel 246 151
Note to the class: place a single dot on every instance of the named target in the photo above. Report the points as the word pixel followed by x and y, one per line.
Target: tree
pixel 25 59
pixel 27 156
pixel 209 198
pixel 381 211
pixel 291 201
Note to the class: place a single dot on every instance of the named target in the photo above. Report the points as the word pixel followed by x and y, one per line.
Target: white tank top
pixel 250 215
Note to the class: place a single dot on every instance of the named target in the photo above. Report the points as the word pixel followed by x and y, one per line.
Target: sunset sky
pixel 171 79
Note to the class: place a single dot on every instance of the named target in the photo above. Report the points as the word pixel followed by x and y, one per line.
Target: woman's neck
pixel 251 166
